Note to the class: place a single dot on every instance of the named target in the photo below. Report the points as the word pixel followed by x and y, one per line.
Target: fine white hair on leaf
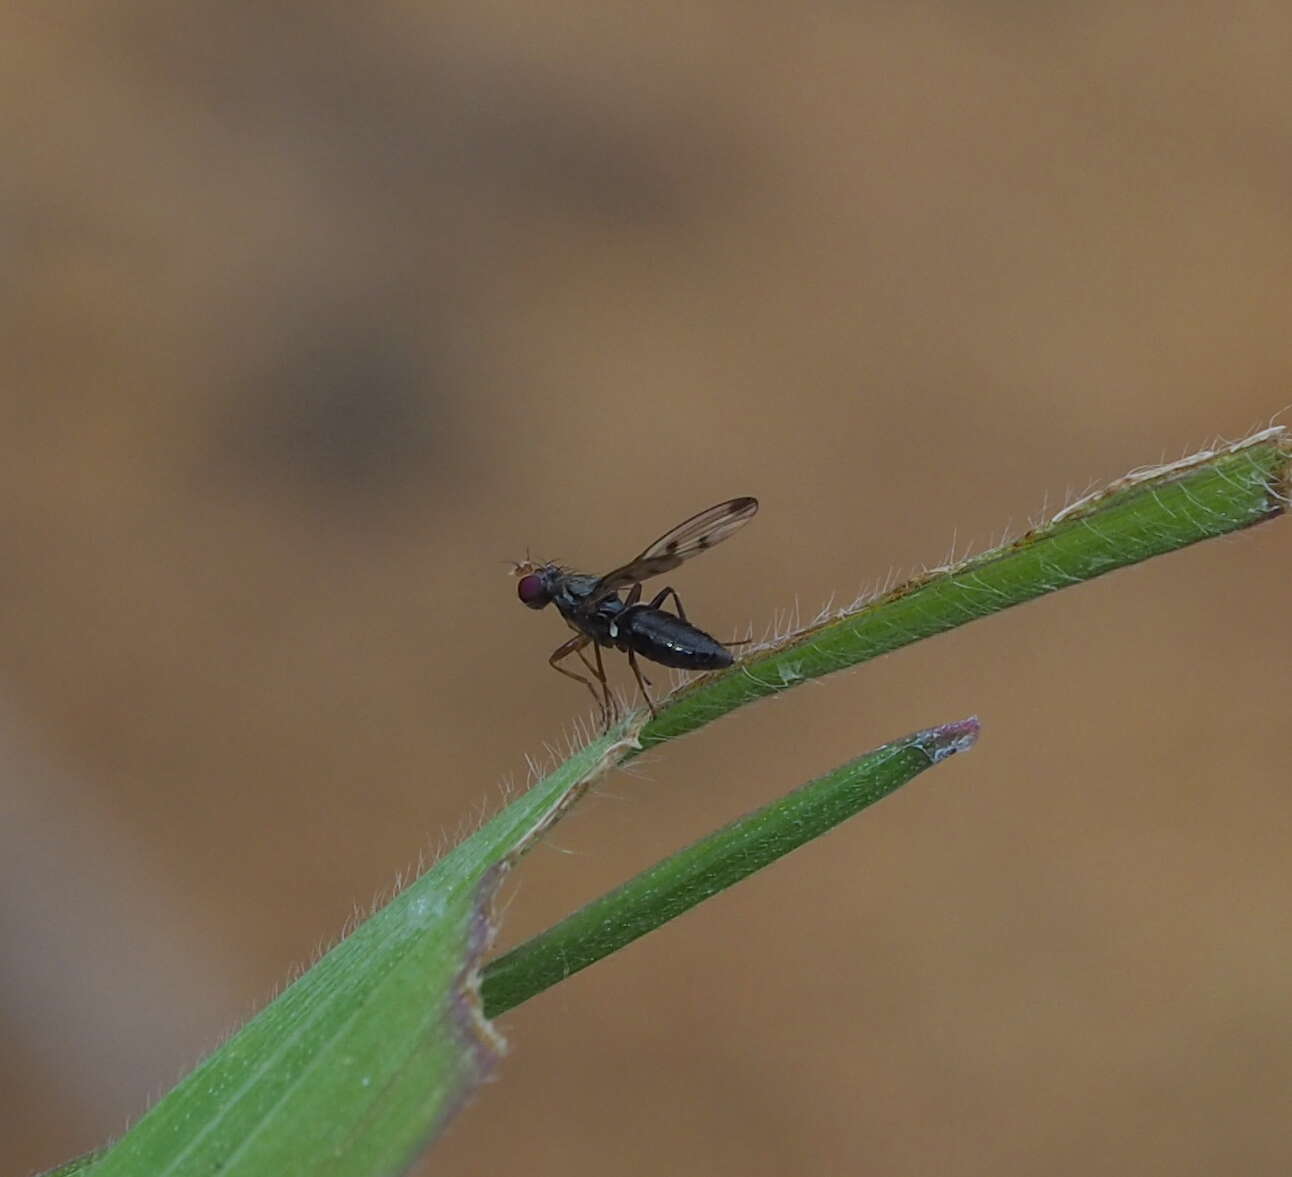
pixel 785 625
pixel 549 843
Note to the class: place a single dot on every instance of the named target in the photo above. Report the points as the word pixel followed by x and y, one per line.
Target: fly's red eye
pixel 532 591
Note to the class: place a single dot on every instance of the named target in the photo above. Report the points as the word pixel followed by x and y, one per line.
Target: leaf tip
pixel 949 738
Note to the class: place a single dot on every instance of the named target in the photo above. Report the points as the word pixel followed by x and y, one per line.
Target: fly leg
pixel 611 704
pixel 592 670
pixel 575 646
pixel 635 595
pixel 663 595
pixel 641 682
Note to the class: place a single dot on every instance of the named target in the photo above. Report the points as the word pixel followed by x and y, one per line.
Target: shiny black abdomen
pixel 655 634
pixel 665 638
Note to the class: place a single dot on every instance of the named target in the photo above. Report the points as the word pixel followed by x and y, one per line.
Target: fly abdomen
pixel 667 639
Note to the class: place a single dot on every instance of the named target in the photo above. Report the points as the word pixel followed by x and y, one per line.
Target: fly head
pixel 537 584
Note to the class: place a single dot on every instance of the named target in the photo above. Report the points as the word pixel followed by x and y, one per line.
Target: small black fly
pixel 593 607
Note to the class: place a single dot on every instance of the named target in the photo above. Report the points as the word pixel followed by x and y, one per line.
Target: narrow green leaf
pixel 1144 514
pixel 355 1066
pixel 711 865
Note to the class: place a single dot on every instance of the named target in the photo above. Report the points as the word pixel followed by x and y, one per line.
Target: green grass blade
pixel 353 1068
pixel 1145 514
pixel 711 865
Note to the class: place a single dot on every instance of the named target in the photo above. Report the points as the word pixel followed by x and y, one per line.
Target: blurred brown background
pixel 314 316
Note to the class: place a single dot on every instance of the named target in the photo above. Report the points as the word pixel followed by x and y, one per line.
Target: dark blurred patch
pixel 405 117
pixel 546 142
pixel 345 409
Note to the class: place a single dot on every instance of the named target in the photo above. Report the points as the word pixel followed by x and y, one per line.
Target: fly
pixel 608 610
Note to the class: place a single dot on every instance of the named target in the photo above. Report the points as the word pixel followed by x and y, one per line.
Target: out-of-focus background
pixel 315 316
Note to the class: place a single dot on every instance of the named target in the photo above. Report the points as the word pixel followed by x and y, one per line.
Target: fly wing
pixel 697 534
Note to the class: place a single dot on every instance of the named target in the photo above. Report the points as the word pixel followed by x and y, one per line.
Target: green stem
pixel 711 865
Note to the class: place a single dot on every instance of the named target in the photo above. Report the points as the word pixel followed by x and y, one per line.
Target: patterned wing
pixel 697 534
